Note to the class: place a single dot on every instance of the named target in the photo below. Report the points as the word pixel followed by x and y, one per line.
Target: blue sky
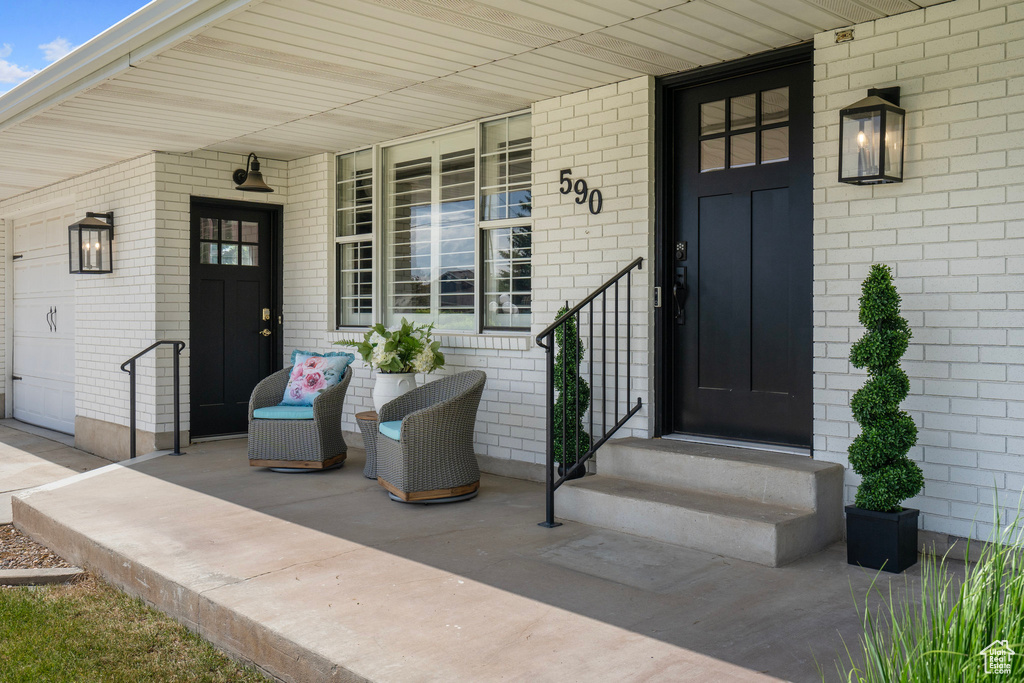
pixel 35 33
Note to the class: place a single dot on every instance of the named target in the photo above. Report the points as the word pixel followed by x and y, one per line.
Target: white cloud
pixel 12 73
pixel 56 49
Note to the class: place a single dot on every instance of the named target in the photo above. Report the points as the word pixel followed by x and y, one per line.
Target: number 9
pixel 580 188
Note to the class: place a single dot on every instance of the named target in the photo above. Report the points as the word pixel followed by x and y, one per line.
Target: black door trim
pixel 276 212
pixel 666 148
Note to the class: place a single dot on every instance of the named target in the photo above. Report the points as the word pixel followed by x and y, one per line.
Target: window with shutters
pixel 437 230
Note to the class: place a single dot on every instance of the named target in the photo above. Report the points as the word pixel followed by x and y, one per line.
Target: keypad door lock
pixel 266 314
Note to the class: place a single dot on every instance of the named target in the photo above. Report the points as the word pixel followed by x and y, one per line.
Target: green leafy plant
pixel 879 453
pixel 940 634
pixel 571 440
pixel 405 348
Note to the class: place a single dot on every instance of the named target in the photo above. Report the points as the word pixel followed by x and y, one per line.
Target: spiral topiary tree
pixel 573 394
pixel 879 453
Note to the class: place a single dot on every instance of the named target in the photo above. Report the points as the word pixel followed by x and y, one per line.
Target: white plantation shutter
pixel 429 231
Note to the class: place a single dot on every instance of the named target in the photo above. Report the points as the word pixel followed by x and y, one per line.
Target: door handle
pixel 680 291
pixel 49 321
pixel 54 319
pixel 265 332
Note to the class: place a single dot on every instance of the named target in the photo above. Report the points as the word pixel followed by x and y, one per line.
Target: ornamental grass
pixel 940 638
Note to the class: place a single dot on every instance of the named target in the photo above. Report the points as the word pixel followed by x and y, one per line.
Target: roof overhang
pixel 290 78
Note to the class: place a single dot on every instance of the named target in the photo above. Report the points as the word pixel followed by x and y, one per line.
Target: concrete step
pixel 769 508
pixel 777 478
pixel 765 533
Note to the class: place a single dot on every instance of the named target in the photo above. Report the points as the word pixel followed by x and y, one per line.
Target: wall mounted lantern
pixel 89 244
pixel 249 179
pixel 871 139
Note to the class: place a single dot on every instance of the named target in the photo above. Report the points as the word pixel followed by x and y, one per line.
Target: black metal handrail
pixel 546 341
pixel 129 367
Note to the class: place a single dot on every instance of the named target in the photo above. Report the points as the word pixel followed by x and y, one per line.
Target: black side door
pixel 233 314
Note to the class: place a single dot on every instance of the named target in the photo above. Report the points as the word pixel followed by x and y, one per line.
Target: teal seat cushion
pixel 392 429
pixel 284 413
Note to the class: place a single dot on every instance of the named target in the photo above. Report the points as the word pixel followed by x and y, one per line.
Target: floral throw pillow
pixel 311 375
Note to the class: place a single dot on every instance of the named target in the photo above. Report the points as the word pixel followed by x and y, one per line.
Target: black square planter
pixel 881 540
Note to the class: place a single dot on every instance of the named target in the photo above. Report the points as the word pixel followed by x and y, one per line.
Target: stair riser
pixel 763 483
pixel 764 543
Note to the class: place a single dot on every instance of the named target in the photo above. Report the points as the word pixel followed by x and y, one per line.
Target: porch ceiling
pixel 290 78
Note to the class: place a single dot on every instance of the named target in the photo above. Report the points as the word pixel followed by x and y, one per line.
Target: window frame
pixel 341 240
pixel 377 238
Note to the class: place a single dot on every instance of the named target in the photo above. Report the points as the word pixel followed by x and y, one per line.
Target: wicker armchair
pixel 315 444
pixel 433 460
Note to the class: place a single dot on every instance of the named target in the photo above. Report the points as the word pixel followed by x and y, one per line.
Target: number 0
pixel 596 209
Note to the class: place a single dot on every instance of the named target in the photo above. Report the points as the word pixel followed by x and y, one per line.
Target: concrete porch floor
pixel 321 577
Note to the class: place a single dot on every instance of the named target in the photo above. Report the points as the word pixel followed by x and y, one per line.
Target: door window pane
pixel 712 117
pixel 712 155
pixel 208 229
pixel 249 255
pixel 775 145
pixel 742 112
pixel 250 232
pixel 208 252
pixel 229 254
pixel 774 106
pixel 742 150
pixel 229 231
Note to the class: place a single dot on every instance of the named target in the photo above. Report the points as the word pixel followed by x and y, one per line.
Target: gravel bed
pixel 18 551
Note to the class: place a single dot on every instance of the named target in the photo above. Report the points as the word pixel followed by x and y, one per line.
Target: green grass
pixel 939 638
pixel 90 631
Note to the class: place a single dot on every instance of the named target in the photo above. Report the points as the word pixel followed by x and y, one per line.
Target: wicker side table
pixel 367 422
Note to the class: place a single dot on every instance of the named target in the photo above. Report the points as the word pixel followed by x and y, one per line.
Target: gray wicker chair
pixel 433 461
pixel 296 445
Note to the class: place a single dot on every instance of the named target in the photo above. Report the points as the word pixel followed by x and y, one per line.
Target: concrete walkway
pixel 321 577
pixel 31 456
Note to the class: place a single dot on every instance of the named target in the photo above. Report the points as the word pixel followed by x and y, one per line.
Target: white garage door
pixel 44 321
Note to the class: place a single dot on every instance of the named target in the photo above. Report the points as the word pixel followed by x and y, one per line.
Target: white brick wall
pixel 954 235
pixel 606 136
pixel 114 313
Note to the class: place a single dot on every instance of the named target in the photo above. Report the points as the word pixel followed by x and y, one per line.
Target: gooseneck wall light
pixel 90 243
pixel 249 179
pixel 871 137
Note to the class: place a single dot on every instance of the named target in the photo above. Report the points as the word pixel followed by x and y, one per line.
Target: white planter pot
pixel 391 385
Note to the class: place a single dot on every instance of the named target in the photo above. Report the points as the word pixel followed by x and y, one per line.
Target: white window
pixel 452 225
pixel 353 239
pixel 505 180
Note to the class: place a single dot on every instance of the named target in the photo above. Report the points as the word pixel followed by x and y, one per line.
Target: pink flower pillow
pixel 312 375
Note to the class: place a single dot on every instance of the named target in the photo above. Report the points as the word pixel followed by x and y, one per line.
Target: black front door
pixel 233 316
pixel 740 258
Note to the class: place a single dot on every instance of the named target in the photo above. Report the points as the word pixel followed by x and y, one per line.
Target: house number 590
pixel 593 198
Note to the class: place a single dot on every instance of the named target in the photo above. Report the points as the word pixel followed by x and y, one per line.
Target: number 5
pixel 565 181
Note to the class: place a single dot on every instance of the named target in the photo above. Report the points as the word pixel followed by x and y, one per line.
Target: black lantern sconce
pixel 90 243
pixel 871 137
pixel 249 179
